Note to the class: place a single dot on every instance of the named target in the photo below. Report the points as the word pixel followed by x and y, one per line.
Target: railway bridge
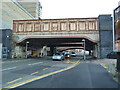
pixel 53 33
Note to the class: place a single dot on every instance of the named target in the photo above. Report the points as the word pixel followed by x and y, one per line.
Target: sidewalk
pixel 110 66
pixel 105 62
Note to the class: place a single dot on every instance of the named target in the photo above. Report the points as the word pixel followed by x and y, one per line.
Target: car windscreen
pixel 57 54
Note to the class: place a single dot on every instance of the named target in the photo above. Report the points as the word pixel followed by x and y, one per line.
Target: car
pixel 112 55
pixel 58 56
pixel 73 54
pixel 66 54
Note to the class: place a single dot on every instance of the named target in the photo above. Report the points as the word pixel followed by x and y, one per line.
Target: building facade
pixel 10 10
pixel 33 7
pixel 117 29
pixel 116 34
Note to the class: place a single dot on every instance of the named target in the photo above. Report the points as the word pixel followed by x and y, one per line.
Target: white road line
pixel 35 63
pixel 8 69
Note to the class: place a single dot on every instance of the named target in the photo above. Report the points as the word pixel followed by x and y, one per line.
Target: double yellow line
pixel 40 77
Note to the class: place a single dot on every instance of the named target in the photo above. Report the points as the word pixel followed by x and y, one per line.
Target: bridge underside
pixel 58 42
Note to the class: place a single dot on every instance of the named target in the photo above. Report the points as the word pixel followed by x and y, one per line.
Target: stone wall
pixel 105 35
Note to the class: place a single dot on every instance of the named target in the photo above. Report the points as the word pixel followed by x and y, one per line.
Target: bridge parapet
pixel 55 25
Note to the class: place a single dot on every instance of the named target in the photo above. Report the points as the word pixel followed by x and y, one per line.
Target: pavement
pixel 105 61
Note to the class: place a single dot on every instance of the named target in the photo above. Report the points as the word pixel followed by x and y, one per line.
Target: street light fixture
pixel 26 48
pixel 7 44
pixel 84 48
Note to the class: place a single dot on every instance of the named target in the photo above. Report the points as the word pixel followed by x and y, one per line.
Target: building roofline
pixel 20 6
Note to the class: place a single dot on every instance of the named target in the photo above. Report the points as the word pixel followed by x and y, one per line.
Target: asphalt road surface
pixel 84 75
pixel 16 71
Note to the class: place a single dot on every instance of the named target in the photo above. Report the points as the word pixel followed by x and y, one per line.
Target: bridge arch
pixel 37 37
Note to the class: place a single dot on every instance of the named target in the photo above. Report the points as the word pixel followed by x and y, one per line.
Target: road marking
pixel 69 61
pixel 33 73
pixel 45 68
pixel 14 80
pixel 35 63
pixel 8 69
pixel 40 77
pixel 15 61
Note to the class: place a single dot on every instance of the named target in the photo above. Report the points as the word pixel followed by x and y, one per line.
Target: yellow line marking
pixel 45 68
pixel 33 73
pixel 69 61
pixel 14 80
pixel 40 77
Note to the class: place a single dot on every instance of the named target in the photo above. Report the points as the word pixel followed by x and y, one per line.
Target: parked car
pixel 73 54
pixel 112 55
pixel 58 56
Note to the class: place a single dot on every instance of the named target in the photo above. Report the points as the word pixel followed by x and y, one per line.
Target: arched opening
pixel 36 44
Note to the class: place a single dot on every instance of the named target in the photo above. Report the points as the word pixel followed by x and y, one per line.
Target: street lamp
pixel 84 48
pixel 7 44
pixel 26 47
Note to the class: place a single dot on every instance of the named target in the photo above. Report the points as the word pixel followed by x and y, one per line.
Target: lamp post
pixel 84 48
pixel 26 48
pixel 7 44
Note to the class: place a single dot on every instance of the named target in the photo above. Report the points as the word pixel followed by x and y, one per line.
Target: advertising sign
pixel 116 29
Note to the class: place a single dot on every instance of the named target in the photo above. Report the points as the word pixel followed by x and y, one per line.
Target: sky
pixel 52 9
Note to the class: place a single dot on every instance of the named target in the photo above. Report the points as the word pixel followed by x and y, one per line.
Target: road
pixel 41 73
pixel 16 71
pixel 84 75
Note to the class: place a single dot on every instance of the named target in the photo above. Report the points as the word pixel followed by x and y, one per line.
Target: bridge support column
pixel 51 51
pixel 96 51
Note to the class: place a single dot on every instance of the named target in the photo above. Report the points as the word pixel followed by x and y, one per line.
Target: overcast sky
pixel 76 8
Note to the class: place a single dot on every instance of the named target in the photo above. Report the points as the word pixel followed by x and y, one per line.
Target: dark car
pixel 112 55
pixel 73 54
pixel 66 54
